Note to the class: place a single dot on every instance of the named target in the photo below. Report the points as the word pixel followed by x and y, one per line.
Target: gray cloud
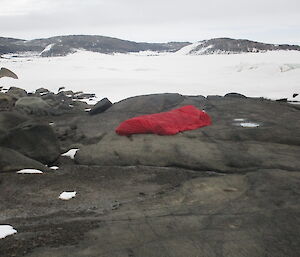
pixel 144 20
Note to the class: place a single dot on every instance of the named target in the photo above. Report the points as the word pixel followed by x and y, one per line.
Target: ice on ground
pixel 67 195
pixel 51 123
pixel 54 168
pixel 289 66
pixel 6 230
pixel 239 119
pixel 124 75
pixel 87 110
pixel 71 153
pixel 249 124
pixel 29 171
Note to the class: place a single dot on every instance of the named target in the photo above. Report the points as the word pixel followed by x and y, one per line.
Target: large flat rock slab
pixel 183 150
pixel 246 134
pixel 150 211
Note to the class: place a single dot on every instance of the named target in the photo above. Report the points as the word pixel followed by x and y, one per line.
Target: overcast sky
pixel 273 21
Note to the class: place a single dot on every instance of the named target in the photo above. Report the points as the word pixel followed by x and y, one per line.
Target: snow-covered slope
pixel 232 46
pixel 273 74
pixel 47 49
pixel 189 48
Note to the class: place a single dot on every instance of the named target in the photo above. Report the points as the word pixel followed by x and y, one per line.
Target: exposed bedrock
pixel 246 134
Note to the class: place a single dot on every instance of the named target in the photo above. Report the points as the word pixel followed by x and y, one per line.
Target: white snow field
pixel 6 230
pixel 272 74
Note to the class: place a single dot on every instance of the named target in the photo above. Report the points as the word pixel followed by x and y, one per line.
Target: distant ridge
pixel 233 46
pixel 64 45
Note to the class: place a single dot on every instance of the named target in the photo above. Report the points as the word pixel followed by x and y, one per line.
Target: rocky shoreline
pixel 230 189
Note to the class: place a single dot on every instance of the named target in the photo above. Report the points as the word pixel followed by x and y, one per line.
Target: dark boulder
pixel 33 105
pixel 11 160
pixel 9 120
pixel 7 102
pixel 235 95
pixel 80 106
pixel 147 104
pixel 34 140
pixel 42 91
pixel 68 93
pixel 81 95
pixel 284 100
pixel 17 92
pixel 101 106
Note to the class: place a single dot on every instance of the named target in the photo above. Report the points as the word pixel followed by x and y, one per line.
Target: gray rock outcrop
pixel 11 160
pixel 36 141
pixel 17 92
pixel 101 106
pixel 33 105
pixel 246 134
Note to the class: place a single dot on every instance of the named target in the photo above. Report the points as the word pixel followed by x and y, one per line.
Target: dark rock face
pixel 11 160
pixel 36 141
pixel 101 106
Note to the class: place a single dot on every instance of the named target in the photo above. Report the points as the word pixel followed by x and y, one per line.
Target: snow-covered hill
pixel 232 46
pixel 64 45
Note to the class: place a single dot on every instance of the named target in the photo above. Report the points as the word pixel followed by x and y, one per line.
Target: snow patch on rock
pixel 6 230
pixel 249 125
pixel 71 153
pixel 29 171
pixel 67 195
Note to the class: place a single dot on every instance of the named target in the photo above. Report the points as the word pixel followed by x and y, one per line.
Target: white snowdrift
pixel 6 230
pixel 71 153
pixel 67 195
pixel 29 171
pixel 249 125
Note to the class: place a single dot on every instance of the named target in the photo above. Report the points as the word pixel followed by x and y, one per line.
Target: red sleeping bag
pixel 165 123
